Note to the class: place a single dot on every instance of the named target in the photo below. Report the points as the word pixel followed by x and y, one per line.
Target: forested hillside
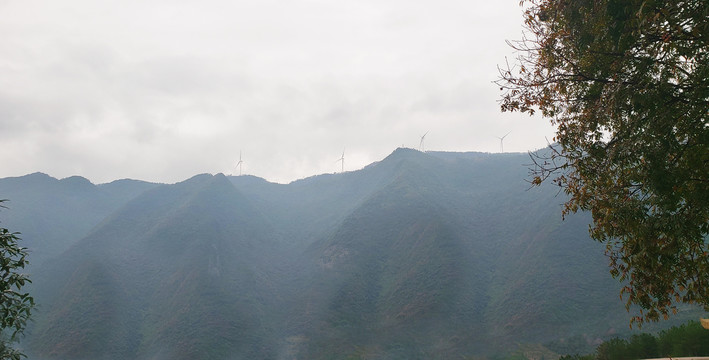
pixel 419 256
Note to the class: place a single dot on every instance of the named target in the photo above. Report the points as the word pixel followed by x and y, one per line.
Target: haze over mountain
pixel 419 256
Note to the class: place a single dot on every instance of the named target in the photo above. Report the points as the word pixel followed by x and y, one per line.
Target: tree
pixel 613 349
pixel 684 341
pixel 687 340
pixel 15 305
pixel 626 83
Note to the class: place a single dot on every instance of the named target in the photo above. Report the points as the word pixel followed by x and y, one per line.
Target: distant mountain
pixel 419 256
pixel 51 214
pixel 174 274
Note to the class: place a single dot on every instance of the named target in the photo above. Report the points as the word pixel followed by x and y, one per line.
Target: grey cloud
pixel 160 90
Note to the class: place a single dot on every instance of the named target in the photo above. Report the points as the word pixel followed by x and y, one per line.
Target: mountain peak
pixel 77 181
pixel 402 153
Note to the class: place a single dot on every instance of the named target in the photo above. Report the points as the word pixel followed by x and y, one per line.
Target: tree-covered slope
pixel 51 214
pixel 419 256
pixel 393 281
pixel 454 257
pixel 171 275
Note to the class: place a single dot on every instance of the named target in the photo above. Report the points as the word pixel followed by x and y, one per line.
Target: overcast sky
pixel 163 90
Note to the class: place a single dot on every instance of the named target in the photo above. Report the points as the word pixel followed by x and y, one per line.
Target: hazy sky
pixel 162 90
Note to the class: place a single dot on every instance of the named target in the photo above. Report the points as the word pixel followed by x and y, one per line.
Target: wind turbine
pixel 502 138
pixel 421 143
pixel 342 159
pixel 239 163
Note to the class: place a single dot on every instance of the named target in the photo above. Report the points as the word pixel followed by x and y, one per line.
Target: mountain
pixel 52 213
pixel 170 275
pixel 394 280
pixel 455 256
pixel 418 256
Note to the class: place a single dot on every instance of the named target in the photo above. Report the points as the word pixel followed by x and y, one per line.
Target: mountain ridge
pixel 418 256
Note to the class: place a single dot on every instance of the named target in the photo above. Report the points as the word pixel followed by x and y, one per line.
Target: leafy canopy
pixel 15 305
pixel 626 83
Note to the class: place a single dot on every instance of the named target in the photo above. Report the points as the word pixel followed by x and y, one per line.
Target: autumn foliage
pixel 626 83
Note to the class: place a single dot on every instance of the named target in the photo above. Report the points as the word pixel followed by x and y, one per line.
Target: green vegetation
pixel 172 275
pixel 15 304
pixel 53 214
pixel 688 340
pixel 625 82
pixel 419 256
